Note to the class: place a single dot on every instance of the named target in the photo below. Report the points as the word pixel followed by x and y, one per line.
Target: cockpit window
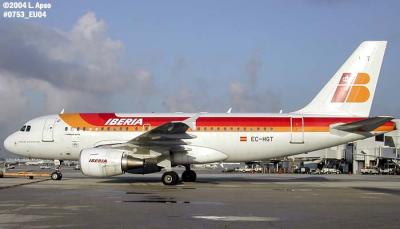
pixel 23 128
pixel 28 128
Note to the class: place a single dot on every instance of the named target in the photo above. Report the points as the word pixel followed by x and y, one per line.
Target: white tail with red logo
pixel 351 90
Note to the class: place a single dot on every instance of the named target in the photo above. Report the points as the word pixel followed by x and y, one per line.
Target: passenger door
pixel 48 130
pixel 297 130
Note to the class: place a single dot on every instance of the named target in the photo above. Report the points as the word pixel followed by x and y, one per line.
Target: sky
pixel 187 56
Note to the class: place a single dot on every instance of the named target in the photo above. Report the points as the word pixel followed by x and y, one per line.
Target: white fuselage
pixel 52 138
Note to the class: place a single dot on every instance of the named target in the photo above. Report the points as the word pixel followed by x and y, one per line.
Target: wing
pixel 171 133
pixel 168 136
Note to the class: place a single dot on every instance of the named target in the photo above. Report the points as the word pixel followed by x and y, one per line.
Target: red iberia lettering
pixel 98 160
pixel 124 122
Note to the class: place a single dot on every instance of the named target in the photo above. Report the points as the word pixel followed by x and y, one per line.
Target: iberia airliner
pixel 109 144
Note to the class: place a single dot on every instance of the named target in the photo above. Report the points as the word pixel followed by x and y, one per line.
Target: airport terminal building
pixel 381 151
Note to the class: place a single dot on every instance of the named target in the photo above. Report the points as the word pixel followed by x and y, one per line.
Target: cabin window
pixel 120 129
pixel 97 129
pixel 108 128
pixel 251 129
pixel 211 128
pixel 22 128
pixel 102 128
pixel 380 138
pixel 66 128
pixel 78 128
pixel 127 128
pixel 84 128
pixel 28 128
pixel 258 128
pixel 224 128
pixel 217 128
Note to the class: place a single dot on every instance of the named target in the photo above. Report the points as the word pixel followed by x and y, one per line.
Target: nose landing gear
pixel 57 175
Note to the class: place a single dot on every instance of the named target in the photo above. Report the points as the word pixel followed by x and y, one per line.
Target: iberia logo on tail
pixel 352 89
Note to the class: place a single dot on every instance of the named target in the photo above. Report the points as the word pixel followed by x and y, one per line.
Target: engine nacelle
pixel 101 162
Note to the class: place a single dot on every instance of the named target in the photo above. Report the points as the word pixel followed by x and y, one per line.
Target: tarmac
pixel 216 200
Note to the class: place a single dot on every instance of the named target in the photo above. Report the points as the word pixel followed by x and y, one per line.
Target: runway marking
pixel 158 201
pixel 227 186
pixel 10 219
pixel 368 197
pixel 238 218
pixel 375 193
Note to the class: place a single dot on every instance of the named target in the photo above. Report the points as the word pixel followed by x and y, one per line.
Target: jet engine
pixel 102 162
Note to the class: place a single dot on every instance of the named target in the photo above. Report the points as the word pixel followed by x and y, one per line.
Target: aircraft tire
pixel 56 176
pixel 170 178
pixel 189 176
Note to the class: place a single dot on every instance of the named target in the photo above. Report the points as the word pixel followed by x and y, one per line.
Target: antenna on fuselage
pixel 62 111
pixel 229 110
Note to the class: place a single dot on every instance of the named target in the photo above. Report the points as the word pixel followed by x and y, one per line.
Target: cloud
pixel 13 101
pixel 78 70
pixel 82 59
pixel 182 100
pixel 247 95
pixel 80 66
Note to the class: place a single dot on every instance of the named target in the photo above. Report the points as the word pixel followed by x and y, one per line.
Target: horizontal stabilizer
pixel 365 125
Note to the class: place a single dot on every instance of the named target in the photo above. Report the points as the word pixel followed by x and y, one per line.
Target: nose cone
pixel 8 144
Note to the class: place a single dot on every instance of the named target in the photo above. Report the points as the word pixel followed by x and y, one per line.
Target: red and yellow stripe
pixel 97 121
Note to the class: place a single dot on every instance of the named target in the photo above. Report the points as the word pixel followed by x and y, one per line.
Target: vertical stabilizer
pixel 351 90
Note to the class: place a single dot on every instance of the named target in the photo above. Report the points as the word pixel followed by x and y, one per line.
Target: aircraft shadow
pixel 379 190
pixel 218 180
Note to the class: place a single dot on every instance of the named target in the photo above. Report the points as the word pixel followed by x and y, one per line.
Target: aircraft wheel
pixel 189 176
pixel 170 178
pixel 56 176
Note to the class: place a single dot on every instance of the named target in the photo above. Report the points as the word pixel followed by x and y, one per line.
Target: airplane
pixel 110 144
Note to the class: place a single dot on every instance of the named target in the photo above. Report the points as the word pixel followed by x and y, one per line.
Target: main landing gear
pixel 57 175
pixel 172 178
pixel 188 175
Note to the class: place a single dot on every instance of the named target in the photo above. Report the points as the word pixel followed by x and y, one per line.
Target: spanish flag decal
pixel 243 138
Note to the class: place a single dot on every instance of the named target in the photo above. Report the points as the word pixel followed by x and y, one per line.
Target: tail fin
pixel 351 90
